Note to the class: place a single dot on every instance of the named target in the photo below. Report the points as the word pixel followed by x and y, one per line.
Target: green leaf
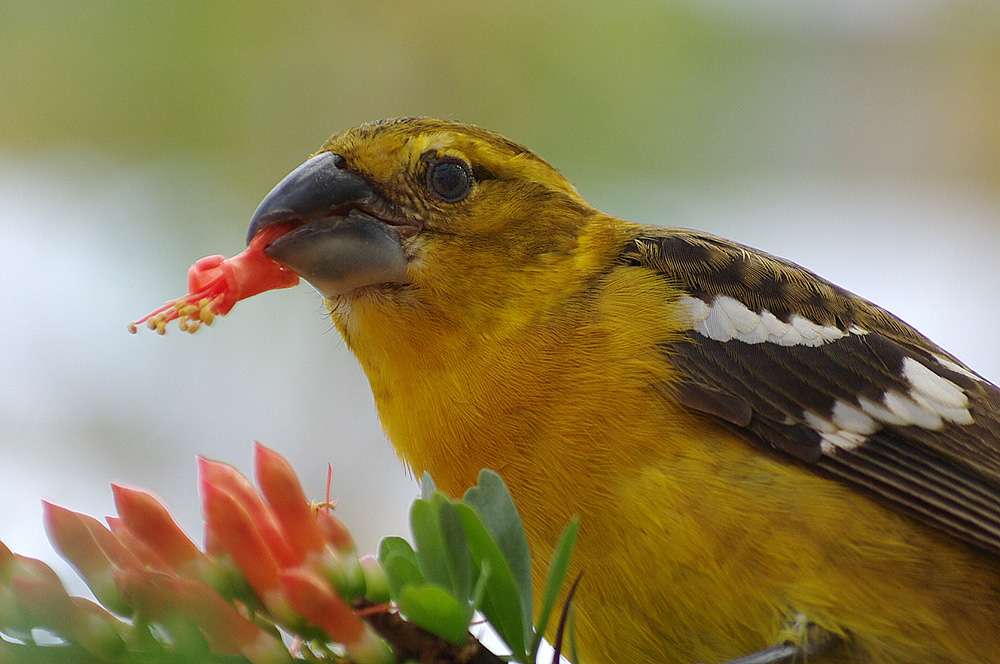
pixel 554 579
pixel 501 602
pixel 433 608
pixel 398 573
pixel 401 571
pixel 493 502
pixel 395 545
pixel 429 540
pixel 376 581
pixel 427 488
pixel 479 591
pixel 458 557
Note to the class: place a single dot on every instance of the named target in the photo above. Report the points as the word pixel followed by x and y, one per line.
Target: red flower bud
pixel 288 501
pixel 75 537
pixel 13 618
pixel 150 522
pixel 235 530
pixel 223 477
pixel 6 560
pixel 309 596
pixel 335 532
pixel 135 546
pixel 45 600
pixel 227 631
pixel 317 603
pixel 143 590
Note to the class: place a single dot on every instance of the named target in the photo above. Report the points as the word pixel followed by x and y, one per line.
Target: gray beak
pixel 336 245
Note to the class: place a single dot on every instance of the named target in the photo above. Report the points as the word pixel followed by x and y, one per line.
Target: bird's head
pixel 421 205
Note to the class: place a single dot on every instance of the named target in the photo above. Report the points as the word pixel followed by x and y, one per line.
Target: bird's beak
pixel 336 242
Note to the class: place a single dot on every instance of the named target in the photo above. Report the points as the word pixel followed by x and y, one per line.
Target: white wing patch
pixel 728 319
pixel 936 394
pixel 849 418
pixel 931 401
pixel 914 409
pixel 910 412
pixel 847 429
pixel 958 368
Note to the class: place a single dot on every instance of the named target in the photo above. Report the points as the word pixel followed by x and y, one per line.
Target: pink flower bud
pixel 143 590
pixel 105 633
pixel 223 477
pixel 136 547
pixel 335 532
pixel 376 582
pixel 150 522
pixel 317 603
pixel 23 567
pixel 13 618
pixel 232 527
pixel 288 501
pixel 227 631
pixel 74 536
pixel 46 601
pixel 213 547
pixel 6 560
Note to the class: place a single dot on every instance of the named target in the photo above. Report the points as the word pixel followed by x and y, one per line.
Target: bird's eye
pixel 449 179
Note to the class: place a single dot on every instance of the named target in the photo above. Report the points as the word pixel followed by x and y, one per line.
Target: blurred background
pixel 860 138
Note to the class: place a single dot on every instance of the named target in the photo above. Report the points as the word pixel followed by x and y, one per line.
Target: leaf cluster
pixel 472 555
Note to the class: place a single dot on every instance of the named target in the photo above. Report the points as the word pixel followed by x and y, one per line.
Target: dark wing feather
pixel 945 471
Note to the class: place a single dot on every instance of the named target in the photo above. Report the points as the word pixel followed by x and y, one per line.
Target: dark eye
pixel 449 179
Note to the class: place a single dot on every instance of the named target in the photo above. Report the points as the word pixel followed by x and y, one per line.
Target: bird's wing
pixel 821 375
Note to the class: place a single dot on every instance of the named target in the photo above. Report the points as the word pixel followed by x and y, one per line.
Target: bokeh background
pixel 860 138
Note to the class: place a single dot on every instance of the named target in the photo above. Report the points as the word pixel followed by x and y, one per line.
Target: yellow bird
pixel 765 464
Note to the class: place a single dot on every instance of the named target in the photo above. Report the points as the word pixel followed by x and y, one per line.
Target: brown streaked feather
pixel 947 477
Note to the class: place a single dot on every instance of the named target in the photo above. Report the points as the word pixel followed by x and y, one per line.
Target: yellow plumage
pixel 520 341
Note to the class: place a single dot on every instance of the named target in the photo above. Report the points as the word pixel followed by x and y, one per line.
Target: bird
pixel 766 466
